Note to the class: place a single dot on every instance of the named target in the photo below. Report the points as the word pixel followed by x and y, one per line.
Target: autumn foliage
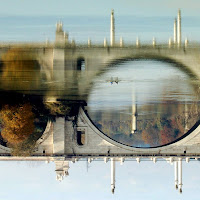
pixel 17 122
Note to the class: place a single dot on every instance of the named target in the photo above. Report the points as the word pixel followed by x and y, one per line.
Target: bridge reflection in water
pixel 110 103
pixel 166 105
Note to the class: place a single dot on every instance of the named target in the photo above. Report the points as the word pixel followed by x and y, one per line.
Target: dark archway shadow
pixel 80 64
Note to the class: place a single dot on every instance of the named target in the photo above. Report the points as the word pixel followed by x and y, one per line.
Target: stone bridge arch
pixel 154 57
pixel 100 144
pixel 98 60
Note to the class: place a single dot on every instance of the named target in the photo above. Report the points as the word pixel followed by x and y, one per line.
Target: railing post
pixel 105 42
pixel 170 42
pixel 137 42
pixel 89 42
pixel 186 42
pixel 121 43
pixel 154 42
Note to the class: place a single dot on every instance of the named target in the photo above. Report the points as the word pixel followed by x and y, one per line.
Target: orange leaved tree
pixel 17 122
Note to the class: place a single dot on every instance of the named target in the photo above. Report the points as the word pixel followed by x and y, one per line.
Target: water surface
pixel 144 103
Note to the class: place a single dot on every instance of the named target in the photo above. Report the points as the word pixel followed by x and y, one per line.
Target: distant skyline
pixel 102 8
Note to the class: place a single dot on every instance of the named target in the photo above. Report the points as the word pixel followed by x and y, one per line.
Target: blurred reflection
pixel 144 110
pixel 22 122
pixel 153 129
pixel 20 70
pixel 85 115
pixel 124 101
pixel 24 118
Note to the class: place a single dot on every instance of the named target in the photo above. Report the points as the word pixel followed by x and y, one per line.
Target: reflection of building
pixel 63 164
pixel 186 118
pixel 61 169
pixel 112 175
pixel 134 115
pixel 134 119
pixel 177 162
pixel 66 140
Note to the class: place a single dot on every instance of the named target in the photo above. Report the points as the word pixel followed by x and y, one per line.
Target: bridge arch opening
pixel 80 64
pixel 187 136
pixel 151 57
pixel 183 119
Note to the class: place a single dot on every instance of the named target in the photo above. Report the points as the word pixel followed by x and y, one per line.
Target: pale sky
pixel 140 23
pixel 144 181
pixel 92 7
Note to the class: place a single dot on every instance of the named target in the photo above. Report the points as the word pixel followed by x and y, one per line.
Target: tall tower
pixel 175 31
pixel 60 35
pixel 112 29
pixel 179 27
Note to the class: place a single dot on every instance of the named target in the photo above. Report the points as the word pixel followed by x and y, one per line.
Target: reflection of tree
pixel 158 124
pixel 150 136
pixel 18 123
pixel 24 148
pixel 23 119
pixel 57 108
pixel 63 108
pixel 170 125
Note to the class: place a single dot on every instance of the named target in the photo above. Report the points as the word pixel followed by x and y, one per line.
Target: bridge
pixel 61 55
pixel 91 59
pixel 63 141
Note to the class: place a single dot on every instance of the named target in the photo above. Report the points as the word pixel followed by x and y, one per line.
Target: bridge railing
pixel 190 45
